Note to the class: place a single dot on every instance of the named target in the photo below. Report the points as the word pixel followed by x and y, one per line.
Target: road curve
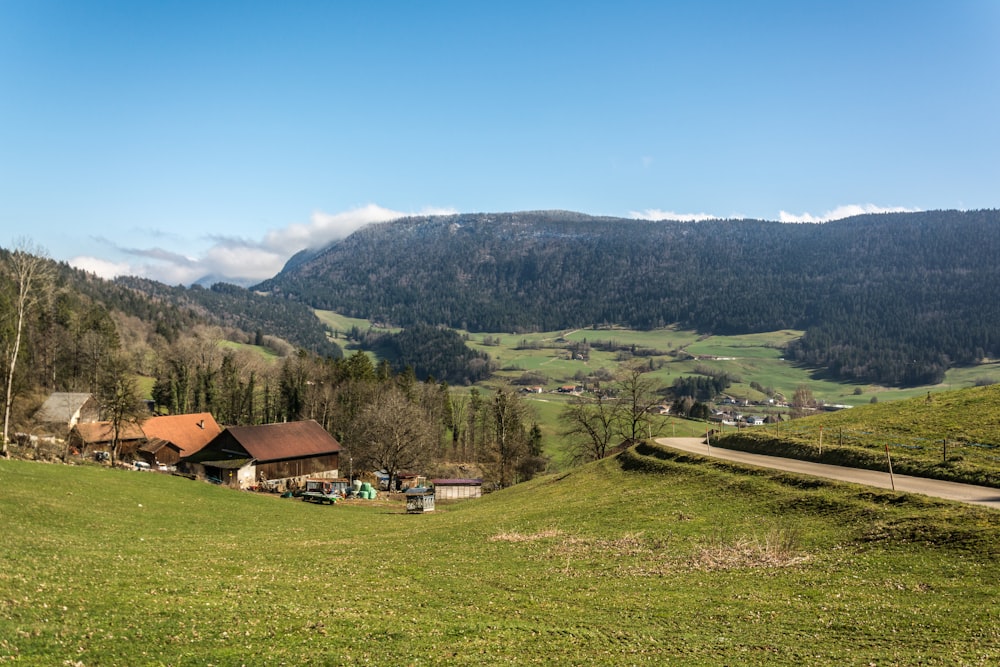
pixel 966 493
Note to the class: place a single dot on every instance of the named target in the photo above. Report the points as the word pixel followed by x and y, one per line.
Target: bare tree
pixel 802 401
pixel 590 425
pixel 510 439
pixel 31 273
pixel 121 403
pixel 392 434
pixel 459 410
pixel 636 397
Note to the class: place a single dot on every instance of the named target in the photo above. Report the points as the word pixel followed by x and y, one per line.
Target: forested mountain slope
pixel 78 302
pixel 890 298
pixel 233 306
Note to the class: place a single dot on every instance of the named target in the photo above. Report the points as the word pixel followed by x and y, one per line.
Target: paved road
pixel 966 493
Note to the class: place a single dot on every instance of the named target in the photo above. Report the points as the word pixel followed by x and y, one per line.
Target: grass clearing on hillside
pixel 266 353
pixel 643 559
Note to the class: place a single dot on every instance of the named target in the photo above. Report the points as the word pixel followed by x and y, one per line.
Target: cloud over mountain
pixel 656 214
pixel 843 212
pixel 238 260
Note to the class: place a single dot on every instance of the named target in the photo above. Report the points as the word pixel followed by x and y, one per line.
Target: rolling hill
pixel 647 558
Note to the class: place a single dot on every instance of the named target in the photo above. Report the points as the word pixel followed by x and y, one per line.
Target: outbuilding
pixel 64 410
pixel 91 437
pixel 457 489
pixel 419 499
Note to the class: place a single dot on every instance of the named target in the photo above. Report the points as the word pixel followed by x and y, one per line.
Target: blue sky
pixel 175 139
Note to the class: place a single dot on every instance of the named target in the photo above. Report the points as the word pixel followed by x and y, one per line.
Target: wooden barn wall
pixel 298 467
pixel 168 456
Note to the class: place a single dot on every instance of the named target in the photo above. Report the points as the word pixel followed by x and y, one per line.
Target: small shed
pixel 419 499
pixel 457 489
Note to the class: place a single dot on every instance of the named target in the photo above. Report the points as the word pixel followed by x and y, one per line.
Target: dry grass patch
pixel 575 549
pixel 777 548
pixel 630 544
pixel 515 537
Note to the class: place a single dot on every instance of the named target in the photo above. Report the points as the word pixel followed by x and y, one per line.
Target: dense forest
pixel 431 353
pixel 889 298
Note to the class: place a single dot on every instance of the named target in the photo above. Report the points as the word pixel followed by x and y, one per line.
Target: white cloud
pixel 843 212
pixel 656 214
pixel 242 262
pixel 237 260
pixel 324 228
pixel 100 267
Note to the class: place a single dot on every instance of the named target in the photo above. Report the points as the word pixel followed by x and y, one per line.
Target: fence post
pixel 892 481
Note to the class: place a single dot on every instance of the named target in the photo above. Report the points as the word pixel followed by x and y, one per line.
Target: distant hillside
pixel 890 298
pixel 236 307
pixel 172 311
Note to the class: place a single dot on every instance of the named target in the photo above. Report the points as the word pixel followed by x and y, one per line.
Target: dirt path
pixel 966 493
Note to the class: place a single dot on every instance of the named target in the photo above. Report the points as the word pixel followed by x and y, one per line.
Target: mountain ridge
pixel 890 297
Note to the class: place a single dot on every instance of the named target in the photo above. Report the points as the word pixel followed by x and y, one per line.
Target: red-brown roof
pixel 274 442
pixel 95 432
pixel 188 432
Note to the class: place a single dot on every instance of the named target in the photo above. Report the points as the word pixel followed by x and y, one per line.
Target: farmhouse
pixel 457 489
pixel 65 410
pixel 288 453
pixel 98 437
pixel 170 437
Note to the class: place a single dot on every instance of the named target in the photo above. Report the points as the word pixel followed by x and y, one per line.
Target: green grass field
pixel 754 358
pixel 649 558
pixel 265 353
pixel 750 358
pixel 953 435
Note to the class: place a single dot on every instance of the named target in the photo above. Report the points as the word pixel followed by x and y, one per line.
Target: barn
pixel 287 453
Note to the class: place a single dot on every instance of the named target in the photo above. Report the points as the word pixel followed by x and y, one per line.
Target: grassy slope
pixel 915 430
pixel 265 353
pixel 643 559
pixel 751 358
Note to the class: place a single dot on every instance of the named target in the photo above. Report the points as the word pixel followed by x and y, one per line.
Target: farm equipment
pixel 320 491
